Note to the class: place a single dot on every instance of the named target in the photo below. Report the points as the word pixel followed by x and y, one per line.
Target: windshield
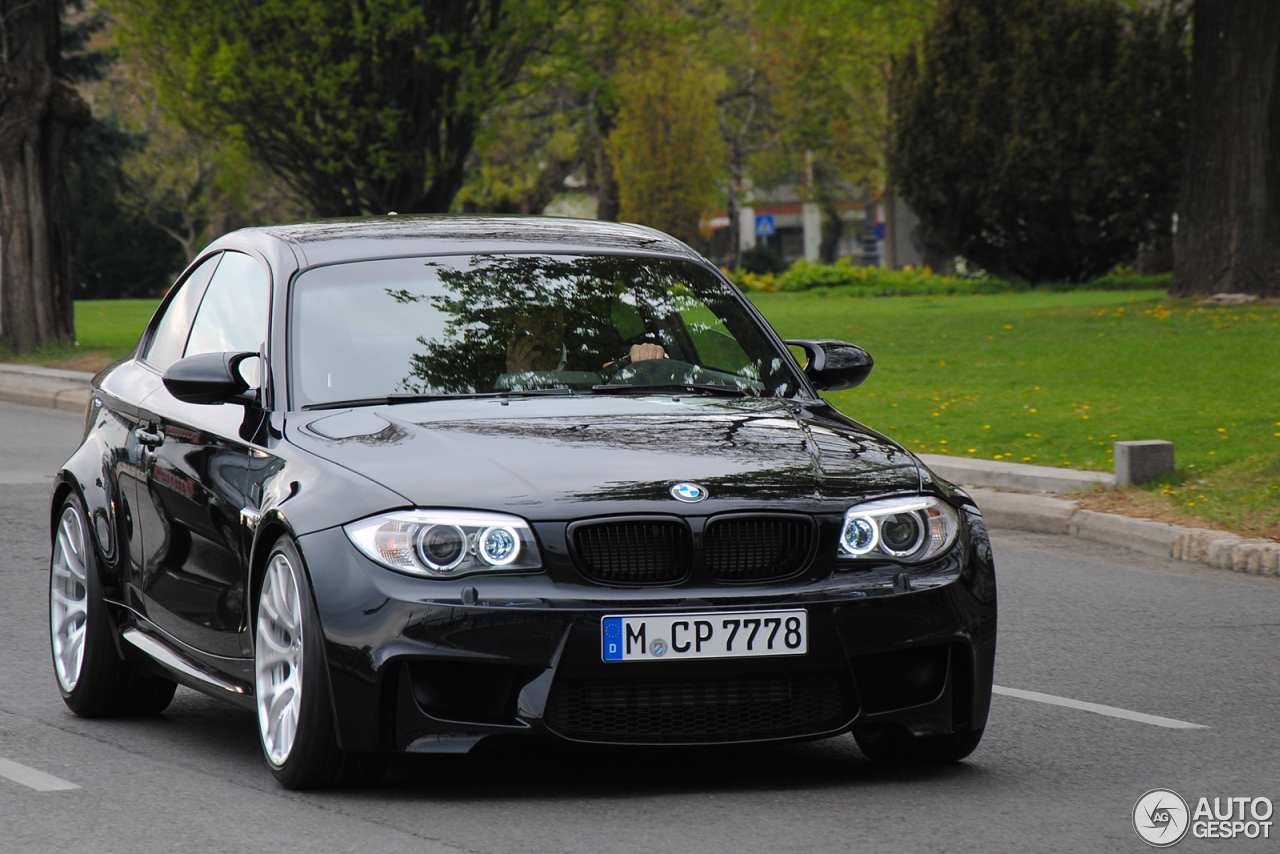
pixel 505 324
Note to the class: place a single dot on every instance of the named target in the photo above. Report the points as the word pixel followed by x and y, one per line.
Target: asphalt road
pixel 1078 621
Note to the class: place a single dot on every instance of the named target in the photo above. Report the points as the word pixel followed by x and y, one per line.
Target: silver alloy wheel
pixel 277 659
pixel 69 599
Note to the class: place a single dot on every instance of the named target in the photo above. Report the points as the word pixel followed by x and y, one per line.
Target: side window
pixel 170 337
pixel 233 314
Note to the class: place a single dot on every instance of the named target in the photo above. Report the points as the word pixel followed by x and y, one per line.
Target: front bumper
pixel 419 665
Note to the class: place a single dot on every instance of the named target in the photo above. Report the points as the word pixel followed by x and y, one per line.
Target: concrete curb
pixel 1014 477
pixel 1011 495
pixel 49 387
pixel 1044 515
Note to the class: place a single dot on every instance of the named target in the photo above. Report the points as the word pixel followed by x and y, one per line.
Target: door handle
pixel 148 438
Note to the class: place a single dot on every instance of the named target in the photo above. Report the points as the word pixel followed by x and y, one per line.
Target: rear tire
pixel 94 680
pixel 897 746
pixel 295 720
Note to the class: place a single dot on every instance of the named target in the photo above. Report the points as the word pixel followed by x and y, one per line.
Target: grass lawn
pixel 106 330
pixel 1055 378
pixel 1044 378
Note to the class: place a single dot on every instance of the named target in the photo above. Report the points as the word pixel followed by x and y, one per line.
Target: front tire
pixel 94 680
pixel 897 746
pixel 295 720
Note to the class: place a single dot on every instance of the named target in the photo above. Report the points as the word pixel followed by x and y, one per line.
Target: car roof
pixel 336 240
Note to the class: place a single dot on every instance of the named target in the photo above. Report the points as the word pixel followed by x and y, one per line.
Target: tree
pixel 114 251
pixel 359 107
pixel 830 62
pixel 1042 139
pixel 39 113
pixel 525 151
pixel 666 148
pixel 1228 237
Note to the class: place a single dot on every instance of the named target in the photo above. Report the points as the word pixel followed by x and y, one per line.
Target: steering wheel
pixel 611 370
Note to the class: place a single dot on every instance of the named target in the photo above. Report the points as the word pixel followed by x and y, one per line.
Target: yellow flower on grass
pixel 988 427
pixel 973 450
pixel 1035 410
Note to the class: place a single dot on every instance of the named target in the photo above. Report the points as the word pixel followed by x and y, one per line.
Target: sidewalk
pixel 49 387
pixel 1012 496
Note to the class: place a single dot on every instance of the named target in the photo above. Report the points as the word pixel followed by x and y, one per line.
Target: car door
pixel 198 478
pixel 124 391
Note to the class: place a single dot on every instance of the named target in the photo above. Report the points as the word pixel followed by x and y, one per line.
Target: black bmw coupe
pixel 403 484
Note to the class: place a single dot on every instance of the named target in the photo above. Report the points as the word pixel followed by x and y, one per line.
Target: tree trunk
pixel 1228 236
pixel 39 113
pixel 608 198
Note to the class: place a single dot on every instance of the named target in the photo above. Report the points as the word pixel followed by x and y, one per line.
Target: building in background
pixel 781 220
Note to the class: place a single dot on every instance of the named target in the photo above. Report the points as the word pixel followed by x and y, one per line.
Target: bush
pixel 844 279
pixel 762 259
pixel 1043 139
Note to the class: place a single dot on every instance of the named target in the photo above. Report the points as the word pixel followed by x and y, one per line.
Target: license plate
pixel 722 634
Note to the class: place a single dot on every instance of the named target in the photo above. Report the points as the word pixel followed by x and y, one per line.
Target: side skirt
pixel 187 672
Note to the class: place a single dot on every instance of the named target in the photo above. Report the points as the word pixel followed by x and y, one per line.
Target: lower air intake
pixel 697 710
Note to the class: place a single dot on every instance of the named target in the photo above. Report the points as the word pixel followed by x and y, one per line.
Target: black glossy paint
pixel 186 499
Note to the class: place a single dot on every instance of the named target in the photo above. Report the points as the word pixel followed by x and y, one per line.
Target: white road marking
pixel 33 779
pixel 1096 708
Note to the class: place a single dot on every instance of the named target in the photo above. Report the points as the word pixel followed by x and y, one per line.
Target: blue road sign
pixel 764 225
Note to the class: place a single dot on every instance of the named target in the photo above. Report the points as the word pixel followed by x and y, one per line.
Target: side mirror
pixel 208 378
pixel 834 365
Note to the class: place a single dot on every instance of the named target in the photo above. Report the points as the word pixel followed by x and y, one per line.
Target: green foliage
pixel 524 152
pixel 829 64
pixel 847 280
pixel 1043 139
pixel 114 251
pixel 760 259
pixel 358 107
pixel 666 148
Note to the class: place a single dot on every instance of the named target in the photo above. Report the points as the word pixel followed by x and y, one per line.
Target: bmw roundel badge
pixel 689 493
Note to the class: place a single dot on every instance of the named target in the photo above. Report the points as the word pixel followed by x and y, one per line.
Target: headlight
pixel 446 543
pixel 911 530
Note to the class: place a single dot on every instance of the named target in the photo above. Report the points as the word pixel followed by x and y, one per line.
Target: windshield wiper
pixel 668 388
pixel 413 397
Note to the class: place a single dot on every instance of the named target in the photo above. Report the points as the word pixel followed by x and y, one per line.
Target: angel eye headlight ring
pixel 442 547
pixel 498 546
pixel 911 529
pixel 446 543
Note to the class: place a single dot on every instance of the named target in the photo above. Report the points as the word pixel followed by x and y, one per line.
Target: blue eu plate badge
pixel 612 639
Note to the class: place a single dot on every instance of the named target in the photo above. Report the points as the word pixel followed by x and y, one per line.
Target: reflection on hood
pixel 546 459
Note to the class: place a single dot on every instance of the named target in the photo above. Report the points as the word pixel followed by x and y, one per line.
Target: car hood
pixel 566 457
